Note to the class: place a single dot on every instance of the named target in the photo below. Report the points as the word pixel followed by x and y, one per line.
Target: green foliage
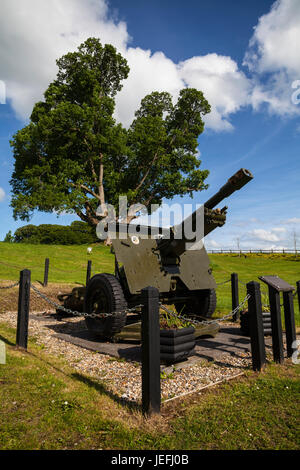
pixel 163 141
pixel 8 237
pixel 77 233
pixel 73 156
pixel 171 320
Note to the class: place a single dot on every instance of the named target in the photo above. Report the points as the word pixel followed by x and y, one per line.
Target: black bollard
pixel 298 293
pixel 289 318
pixel 46 272
pixel 235 295
pixel 88 271
pixel 277 341
pixel 258 349
pixel 151 398
pixel 23 309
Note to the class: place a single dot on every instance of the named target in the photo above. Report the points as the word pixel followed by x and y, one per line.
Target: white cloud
pixel 34 34
pixel 293 220
pixel 211 244
pixel 225 87
pixel 148 72
pixel 2 194
pixel 264 235
pixel 273 58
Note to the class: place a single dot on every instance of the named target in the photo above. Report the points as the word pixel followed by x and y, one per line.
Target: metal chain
pixel 130 310
pixel 11 286
pixel 224 282
pixel 83 314
pixel 207 322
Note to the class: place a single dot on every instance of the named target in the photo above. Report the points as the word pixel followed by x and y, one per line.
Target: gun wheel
pixel 104 294
pixel 203 304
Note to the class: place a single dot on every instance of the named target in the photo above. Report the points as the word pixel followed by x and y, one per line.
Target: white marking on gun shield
pixel 135 239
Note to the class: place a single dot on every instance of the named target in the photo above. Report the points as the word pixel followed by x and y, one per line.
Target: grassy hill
pixel 68 265
pixel 67 262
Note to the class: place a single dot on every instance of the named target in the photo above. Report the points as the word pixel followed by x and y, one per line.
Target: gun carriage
pixel 177 266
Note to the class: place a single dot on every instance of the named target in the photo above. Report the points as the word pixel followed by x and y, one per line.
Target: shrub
pixel 8 237
pixel 78 233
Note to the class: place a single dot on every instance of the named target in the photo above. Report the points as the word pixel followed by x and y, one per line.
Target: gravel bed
pixel 121 378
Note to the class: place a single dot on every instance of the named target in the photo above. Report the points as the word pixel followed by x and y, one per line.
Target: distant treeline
pixel 78 233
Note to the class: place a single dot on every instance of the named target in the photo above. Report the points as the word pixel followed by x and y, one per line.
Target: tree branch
pixel 93 170
pixel 86 189
pixel 147 172
pixel 101 187
pixel 89 214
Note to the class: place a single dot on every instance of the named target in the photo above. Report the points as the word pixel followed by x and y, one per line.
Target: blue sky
pixel 242 55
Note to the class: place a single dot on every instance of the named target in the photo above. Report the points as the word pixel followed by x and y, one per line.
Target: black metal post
pixel 298 292
pixel 235 295
pixel 46 272
pixel 277 341
pixel 150 351
pixel 23 309
pixel 289 317
pixel 258 349
pixel 88 271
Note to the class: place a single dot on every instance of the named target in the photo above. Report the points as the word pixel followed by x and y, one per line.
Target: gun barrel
pixel 237 181
pixel 212 218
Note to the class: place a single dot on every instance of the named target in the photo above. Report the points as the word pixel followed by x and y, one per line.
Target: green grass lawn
pixel 68 265
pixel 45 404
pixel 248 269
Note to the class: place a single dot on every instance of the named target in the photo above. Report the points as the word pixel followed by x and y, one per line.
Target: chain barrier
pixel 11 286
pixel 224 282
pixel 83 314
pixel 41 268
pixel 134 309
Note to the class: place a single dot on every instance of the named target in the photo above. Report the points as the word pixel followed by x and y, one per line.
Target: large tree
pixel 73 156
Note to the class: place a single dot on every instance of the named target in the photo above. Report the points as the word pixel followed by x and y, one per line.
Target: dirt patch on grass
pixel 9 297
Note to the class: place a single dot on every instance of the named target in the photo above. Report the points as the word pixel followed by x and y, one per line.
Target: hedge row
pixel 78 233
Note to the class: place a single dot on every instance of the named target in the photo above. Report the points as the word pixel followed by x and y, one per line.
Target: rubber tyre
pixel 104 294
pixel 203 305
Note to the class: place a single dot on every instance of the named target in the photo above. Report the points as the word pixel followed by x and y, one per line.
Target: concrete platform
pixel 228 341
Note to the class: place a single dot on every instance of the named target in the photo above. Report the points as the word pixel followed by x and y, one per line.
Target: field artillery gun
pixel 176 264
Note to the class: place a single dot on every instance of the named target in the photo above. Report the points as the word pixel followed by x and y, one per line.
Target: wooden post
pixel 277 342
pixel 88 271
pixel 46 272
pixel 235 295
pixel 256 326
pixel 289 317
pixel 150 351
pixel 23 309
pixel 298 293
